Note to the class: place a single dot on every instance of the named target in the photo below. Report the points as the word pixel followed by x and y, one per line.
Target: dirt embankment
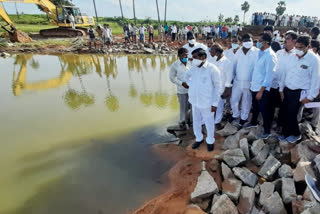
pixel 183 177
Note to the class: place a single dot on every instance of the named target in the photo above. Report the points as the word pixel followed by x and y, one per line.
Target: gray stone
pixel 313 210
pixel 302 150
pixel 285 171
pixel 288 190
pixel 233 157
pixel 215 199
pixel 303 167
pixel 232 142
pixel 285 146
pixel 306 129
pixel 206 186
pixel 269 167
pixel 254 132
pixel 224 206
pixel 246 201
pixel 261 156
pixel 244 146
pixel 232 187
pixel 267 190
pixel 257 189
pixel 228 130
pixel 226 171
pixel 257 147
pixel 255 210
pixel 148 50
pixel 4 54
pixel 274 205
pixel 246 176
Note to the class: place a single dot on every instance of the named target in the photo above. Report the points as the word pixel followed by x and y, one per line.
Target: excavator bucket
pixel 18 36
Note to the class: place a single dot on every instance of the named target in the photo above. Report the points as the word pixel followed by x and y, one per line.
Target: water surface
pixel 76 131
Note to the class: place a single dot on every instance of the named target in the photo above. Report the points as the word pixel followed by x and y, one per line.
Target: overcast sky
pixel 183 10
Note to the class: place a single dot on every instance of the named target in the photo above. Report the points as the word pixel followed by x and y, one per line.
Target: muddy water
pixel 76 132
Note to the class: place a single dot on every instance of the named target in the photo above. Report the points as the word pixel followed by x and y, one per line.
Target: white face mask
pixel 248 45
pixel 196 62
pixel 192 42
pixel 234 46
pixel 299 52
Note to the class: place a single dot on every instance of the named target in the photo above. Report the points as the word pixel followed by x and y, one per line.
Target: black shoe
pixel 196 144
pixel 250 125
pixel 242 122
pixel 218 126
pixel 210 147
pixel 231 119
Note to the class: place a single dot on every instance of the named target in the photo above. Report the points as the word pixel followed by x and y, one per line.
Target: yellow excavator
pixel 59 16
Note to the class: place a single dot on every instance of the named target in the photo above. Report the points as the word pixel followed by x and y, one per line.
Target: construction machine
pixel 58 15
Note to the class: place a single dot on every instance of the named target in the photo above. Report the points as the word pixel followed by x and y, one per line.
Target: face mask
pixel 184 60
pixel 209 49
pixel 248 45
pixel 234 46
pixel 192 42
pixel 299 52
pixel 196 62
pixel 259 45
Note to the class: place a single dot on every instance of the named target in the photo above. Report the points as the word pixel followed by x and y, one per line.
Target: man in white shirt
pixel 225 66
pixel 244 63
pixel 299 85
pixel 283 57
pixel 142 30
pixel 261 83
pixel 107 34
pixel 72 20
pixel 177 76
pixel 174 32
pixel 233 47
pixel 315 33
pixel 193 45
pixel 204 81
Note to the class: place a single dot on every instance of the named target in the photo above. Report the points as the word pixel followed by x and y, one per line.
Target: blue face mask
pixel 259 45
pixel 184 60
pixel 235 45
pixel 209 49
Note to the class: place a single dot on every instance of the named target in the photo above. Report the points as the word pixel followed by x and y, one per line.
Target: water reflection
pixel 60 104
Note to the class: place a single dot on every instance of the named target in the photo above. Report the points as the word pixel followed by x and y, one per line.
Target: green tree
pixel 228 20
pixel 281 8
pixel 236 19
pixel 245 8
pixel 220 17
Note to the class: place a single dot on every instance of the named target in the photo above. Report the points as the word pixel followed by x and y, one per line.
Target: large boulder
pixel 228 130
pixel 266 190
pixel 269 167
pixel 257 146
pixel 274 205
pixel 233 157
pixel 206 186
pixel 226 171
pixel 288 190
pixel 285 171
pixel 244 146
pixel 232 142
pixel 246 176
pixel 232 187
pixel 246 201
pixel 303 168
pixel 260 158
pixel 224 206
pixel 302 150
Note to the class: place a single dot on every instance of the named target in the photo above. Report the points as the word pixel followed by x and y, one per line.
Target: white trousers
pixel 205 115
pixel 246 101
pixel 219 113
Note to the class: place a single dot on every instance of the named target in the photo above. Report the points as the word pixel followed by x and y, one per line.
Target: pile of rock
pixel 258 176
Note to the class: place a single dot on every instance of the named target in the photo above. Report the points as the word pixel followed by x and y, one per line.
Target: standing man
pixel 142 29
pixel 225 66
pixel 283 57
pixel 92 37
pixel 244 63
pixel 177 76
pixel 261 84
pixel 193 45
pixel 299 85
pixel 151 31
pixel 71 19
pixel 204 81
pixel 233 47
pixel 166 31
pixel 174 33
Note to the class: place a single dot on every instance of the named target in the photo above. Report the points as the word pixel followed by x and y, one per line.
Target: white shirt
pixel 204 85
pixel 230 54
pixel 106 32
pixel 174 29
pixel 196 45
pixel 303 74
pixel 142 29
pixel 177 75
pixel 283 58
pixel 226 69
pixel 243 67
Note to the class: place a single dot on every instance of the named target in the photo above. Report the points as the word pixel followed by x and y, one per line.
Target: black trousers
pixel 261 106
pixel 173 36
pixel 151 37
pixel 276 102
pixel 291 105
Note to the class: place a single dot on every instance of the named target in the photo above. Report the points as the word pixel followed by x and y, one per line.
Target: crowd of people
pixel 278 81
pixel 284 20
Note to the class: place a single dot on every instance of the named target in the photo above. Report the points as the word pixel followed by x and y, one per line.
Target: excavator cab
pixel 63 13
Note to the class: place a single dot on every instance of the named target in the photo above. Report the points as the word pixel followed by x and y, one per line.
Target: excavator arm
pixel 5 17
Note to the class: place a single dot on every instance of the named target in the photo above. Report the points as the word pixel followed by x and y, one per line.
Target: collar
pixel 205 65
pixel 289 52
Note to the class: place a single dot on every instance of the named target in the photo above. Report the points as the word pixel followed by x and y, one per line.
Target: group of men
pixel 252 79
pixel 105 36
pixel 284 20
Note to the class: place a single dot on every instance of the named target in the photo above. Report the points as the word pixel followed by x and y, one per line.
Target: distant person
pixel 166 31
pixel 174 32
pixel 204 81
pixel 134 33
pixel 177 76
pixel 142 30
pixel 100 33
pixel 151 32
pixel 107 35
pixel 92 37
